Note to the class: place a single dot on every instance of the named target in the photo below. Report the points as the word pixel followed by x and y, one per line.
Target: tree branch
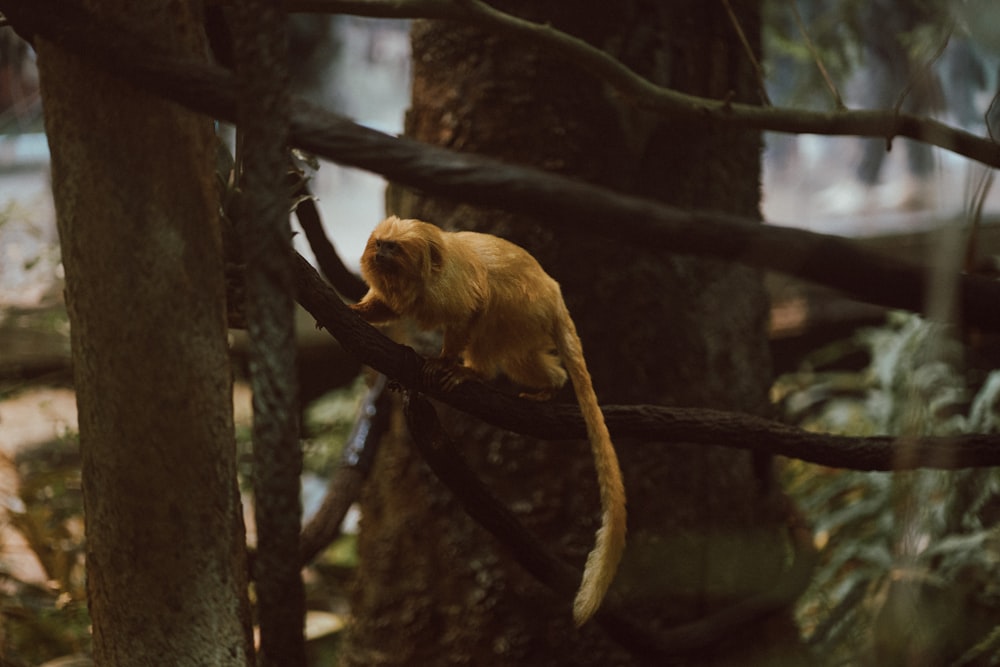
pixel 329 262
pixel 560 202
pixel 356 463
pixel 652 425
pixel 642 93
pixel 444 460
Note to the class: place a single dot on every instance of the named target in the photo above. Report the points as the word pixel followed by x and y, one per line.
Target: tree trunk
pixel 139 229
pixel 705 527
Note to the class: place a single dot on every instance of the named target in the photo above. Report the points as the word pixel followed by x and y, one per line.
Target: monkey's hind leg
pixel 541 371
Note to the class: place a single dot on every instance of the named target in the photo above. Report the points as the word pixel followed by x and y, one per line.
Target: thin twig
pixel 975 215
pixel 327 258
pixel 837 99
pixel 925 71
pixel 758 70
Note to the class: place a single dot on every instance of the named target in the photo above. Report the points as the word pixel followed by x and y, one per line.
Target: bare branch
pixel 356 461
pixel 647 95
pixel 562 203
pixel 651 425
pixel 327 258
pixel 837 99
pixel 754 60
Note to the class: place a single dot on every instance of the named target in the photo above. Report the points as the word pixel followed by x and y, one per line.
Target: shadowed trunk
pixel 706 529
pixel 138 224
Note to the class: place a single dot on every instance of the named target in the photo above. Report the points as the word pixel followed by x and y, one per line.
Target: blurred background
pixel 843 366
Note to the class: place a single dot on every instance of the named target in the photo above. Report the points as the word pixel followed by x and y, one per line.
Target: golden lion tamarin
pixel 500 313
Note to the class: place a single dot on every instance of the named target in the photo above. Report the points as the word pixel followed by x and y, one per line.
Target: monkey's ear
pixel 437 258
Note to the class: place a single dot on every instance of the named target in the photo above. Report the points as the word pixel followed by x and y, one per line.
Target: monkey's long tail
pixel 602 562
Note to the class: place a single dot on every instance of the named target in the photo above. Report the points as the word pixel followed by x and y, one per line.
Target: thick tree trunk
pixel 141 244
pixel 705 528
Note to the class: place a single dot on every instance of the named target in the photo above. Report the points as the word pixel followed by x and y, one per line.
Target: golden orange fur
pixel 500 313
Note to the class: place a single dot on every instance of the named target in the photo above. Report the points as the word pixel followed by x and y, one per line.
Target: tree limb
pixel 560 202
pixel 651 647
pixel 651 425
pixel 346 483
pixel 646 95
pixel 329 262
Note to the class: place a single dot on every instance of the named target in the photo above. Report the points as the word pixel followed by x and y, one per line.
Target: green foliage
pixel 46 622
pixel 837 32
pixel 930 538
pixel 327 423
pixel 794 79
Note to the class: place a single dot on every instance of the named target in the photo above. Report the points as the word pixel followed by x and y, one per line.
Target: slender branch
pixel 811 46
pixel 974 217
pixel 380 9
pixel 562 203
pixel 924 73
pixel 329 262
pixel 647 95
pixel 348 479
pixel 751 56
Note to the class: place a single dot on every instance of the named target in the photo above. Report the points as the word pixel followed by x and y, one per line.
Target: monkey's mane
pixel 419 255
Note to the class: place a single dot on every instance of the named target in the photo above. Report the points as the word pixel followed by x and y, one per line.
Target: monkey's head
pixel 401 254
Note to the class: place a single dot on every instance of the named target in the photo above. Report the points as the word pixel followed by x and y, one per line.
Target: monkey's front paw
pixel 447 371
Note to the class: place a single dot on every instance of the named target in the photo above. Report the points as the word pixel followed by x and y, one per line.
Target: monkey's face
pixel 400 251
pixel 386 255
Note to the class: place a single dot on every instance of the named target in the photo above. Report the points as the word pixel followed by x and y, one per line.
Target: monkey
pixel 500 312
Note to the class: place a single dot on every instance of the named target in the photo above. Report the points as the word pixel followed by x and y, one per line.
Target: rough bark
pixel 138 225
pixel 262 225
pixel 705 529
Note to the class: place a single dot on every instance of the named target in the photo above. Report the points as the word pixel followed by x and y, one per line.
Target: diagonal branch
pixel 329 262
pixel 652 425
pixel 814 52
pixel 646 95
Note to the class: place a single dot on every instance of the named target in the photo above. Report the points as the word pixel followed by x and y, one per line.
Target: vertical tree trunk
pixel 705 530
pixel 141 244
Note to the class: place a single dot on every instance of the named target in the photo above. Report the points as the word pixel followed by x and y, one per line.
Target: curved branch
pixel 644 94
pixel 561 202
pixel 327 258
pixel 652 425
